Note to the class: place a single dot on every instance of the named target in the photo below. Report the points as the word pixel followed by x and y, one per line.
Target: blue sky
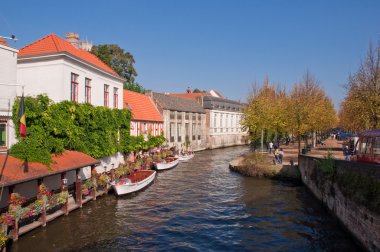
pixel 210 44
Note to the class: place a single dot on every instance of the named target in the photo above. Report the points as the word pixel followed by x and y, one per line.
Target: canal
pixel 198 206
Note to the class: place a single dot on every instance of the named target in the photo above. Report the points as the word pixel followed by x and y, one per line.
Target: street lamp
pixel 64 181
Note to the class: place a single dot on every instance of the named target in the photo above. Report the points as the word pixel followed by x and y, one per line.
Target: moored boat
pixel 167 163
pixel 185 157
pixel 133 182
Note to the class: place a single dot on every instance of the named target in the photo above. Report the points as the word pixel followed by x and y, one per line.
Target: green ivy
pixel 55 127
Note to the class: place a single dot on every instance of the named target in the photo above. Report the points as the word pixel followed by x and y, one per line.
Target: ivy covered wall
pixel 55 127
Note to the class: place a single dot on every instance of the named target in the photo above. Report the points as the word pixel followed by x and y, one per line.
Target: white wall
pixel 229 124
pixel 9 89
pixel 53 78
pixel 107 162
pixel 8 61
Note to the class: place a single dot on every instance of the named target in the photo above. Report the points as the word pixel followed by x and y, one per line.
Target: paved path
pixel 333 145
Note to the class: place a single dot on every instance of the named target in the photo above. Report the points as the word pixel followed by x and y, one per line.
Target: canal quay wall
pixel 351 191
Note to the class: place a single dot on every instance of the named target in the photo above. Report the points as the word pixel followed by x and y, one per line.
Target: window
pixel 179 134
pixel 364 148
pixel 187 116
pixel 115 97
pixel 74 87
pixel 3 134
pixel 179 115
pixel 193 131
pixel 106 95
pixel 172 115
pixel 87 90
pixel 199 131
pixel 376 147
pixel 221 122
pixel 227 126
pixel 187 132
pixel 171 132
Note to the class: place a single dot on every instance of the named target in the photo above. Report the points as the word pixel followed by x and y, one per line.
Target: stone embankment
pixel 351 191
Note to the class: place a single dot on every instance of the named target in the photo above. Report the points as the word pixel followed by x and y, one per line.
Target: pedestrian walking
pixel 347 153
pixel 281 155
pixel 277 156
pixel 270 147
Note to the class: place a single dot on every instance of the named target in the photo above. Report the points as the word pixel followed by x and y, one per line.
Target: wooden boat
pixel 133 182
pixel 167 163
pixel 185 157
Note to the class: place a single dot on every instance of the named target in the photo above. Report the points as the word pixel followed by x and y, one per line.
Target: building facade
pixel 146 119
pixel 9 90
pixel 62 71
pixel 223 117
pixel 224 122
pixel 184 121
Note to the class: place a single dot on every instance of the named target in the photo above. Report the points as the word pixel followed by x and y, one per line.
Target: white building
pixel 223 119
pixel 62 71
pixel 9 90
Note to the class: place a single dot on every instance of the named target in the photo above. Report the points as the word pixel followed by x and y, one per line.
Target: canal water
pixel 198 206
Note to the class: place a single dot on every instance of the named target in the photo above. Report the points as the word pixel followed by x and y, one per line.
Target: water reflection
pixel 198 206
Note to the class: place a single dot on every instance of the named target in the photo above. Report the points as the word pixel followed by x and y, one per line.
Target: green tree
pixel 134 86
pixel 115 57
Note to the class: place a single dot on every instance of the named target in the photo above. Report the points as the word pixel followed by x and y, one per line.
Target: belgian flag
pixel 21 115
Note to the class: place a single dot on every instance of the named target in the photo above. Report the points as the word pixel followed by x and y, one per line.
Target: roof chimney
pixel 73 38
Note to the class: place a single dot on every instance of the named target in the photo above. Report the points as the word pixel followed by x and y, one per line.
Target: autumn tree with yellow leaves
pixel 360 110
pixel 306 110
pixel 309 109
pixel 265 112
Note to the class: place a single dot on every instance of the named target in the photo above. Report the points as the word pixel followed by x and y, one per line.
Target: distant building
pixel 184 121
pixel 146 119
pixel 62 71
pixel 223 117
pixel 9 89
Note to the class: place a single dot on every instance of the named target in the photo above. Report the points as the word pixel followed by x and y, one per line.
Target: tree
pixel 115 57
pixel 360 109
pixel 265 112
pixel 310 110
pixel 134 86
pixel 196 90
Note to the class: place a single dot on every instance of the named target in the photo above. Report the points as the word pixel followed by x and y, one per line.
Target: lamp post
pixel 64 184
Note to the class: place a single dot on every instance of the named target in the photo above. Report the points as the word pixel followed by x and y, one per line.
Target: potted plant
pixel 85 190
pixel 3 239
pixel 103 180
pixel 62 197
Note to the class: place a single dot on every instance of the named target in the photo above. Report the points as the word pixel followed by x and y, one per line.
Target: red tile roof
pixel 52 44
pixel 12 170
pixel 3 42
pixel 142 107
pixel 192 96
